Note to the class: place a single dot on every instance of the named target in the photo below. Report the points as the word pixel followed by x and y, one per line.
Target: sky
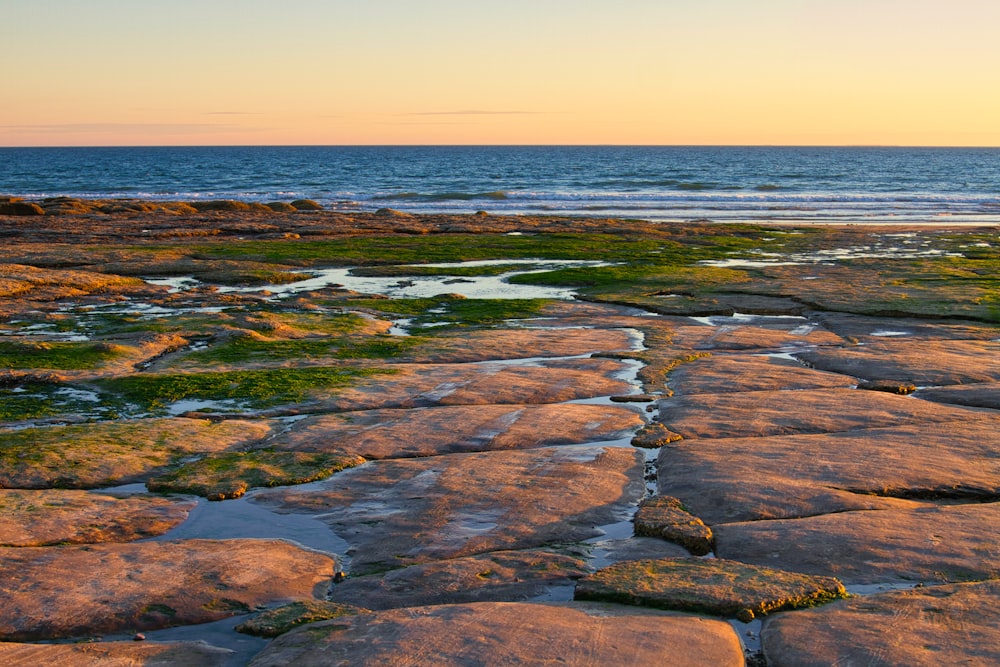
pixel 335 72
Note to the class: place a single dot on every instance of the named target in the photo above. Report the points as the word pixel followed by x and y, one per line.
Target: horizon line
pixel 511 145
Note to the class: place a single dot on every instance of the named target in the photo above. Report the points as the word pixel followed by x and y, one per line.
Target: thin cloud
pixel 122 128
pixel 232 113
pixel 472 112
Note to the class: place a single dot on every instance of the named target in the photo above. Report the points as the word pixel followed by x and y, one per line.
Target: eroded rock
pixel 928 544
pixel 115 654
pixel 148 585
pixel 280 620
pixel 509 634
pixel 46 517
pixel 714 586
pixel 663 516
pixel 496 576
pixel 410 511
pixel 924 627
pixel 395 433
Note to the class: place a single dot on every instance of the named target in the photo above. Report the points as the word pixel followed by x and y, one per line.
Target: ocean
pixel 660 183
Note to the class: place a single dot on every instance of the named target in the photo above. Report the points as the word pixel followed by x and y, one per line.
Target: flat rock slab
pixel 57 592
pixel 729 480
pixel 505 633
pixel 34 518
pixel 423 385
pixel 985 395
pixel 497 576
pixel 491 344
pixel 725 373
pixel 711 586
pixel 115 654
pixel 931 362
pixel 766 413
pixel 923 627
pixel 788 335
pixel 409 511
pixel 396 433
pixel 927 544
pixel 871 329
pixel 111 453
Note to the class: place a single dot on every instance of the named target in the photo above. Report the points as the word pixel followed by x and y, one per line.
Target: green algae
pixel 228 475
pixel 280 620
pixel 56 355
pixel 251 388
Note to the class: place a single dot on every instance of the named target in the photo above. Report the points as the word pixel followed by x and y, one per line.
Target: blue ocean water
pixel 880 185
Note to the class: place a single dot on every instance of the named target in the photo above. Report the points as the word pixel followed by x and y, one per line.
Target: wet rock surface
pixel 925 627
pixel 408 511
pixel 510 634
pixel 713 586
pixel 34 518
pixel 149 585
pixel 502 467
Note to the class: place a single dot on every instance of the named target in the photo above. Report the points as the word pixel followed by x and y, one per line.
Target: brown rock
pixel 929 544
pixel 306 205
pixel 719 373
pixel 509 634
pixel 21 208
pixel 115 654
pixel 932 362
pixel 924 627
pixel 494 344
pixel 39 518
pixel 985 395
pixel 148 585
pixel 422 385
pixel 654 436
pixel 663 516
pixel 711 586
pixel 745 479
pixel 495 576
pixel 769 413
pixel 380 434
pixel 411 511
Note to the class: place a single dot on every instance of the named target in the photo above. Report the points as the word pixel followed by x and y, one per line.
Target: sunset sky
pixel 248 72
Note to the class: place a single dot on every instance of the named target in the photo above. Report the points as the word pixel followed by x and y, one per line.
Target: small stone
pixel 139 637
pixel 654 436
pixel 664 516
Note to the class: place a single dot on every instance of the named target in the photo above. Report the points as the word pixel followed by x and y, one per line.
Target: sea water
pixel 723 184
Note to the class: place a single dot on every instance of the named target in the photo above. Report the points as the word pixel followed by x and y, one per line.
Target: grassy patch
pixel 416 270
pixel 254 388
pixel 256 348
pixel 56 355
pixel 230 474
pixel 103 454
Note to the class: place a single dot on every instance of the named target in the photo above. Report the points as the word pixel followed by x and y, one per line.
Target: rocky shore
pixel 733 445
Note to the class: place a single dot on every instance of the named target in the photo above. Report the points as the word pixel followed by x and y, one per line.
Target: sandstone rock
pixel 221 476
pixel 109 453
pixel 411 511
pixel 770 413
pixel 495 576
pixel 21 208
pixel 713 586
pixel 746 479
pixel 39 518
pixel 281 207
pixel 423 385
pixel 148 585
pixel 663 516
pixel 380 434
pixel 654 436
pixel 494 344
pixel 509 634
pixel 115 654
pixel 932 362
pixel 928 544
pixel 220 205
pixel 743 336
pixel 280 620
pixel 985 395
pixel 924 627
pixel 306 205
pixel 720 373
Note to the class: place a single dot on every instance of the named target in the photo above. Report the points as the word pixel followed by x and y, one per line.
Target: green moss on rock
pixel 280 620
pixel 664 516
pixel 714 586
